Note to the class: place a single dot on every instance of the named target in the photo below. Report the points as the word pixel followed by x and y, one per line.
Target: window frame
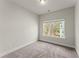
pixel 51 21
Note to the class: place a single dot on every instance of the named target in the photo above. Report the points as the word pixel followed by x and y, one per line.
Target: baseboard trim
pixel 57 43
pixel 77 51
pixel 17 48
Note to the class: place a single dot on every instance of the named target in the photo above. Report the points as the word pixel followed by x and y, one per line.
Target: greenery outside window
pixel 54 29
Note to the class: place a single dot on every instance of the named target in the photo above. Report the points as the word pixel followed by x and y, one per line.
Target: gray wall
pixel 66 14
pixel 77 26
pixel 18 27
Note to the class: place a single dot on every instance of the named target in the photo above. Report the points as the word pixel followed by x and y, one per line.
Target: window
pixel 54 29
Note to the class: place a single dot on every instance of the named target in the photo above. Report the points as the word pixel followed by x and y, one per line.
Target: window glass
pixel 54 29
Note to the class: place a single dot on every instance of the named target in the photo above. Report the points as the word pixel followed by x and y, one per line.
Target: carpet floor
pixel 43 50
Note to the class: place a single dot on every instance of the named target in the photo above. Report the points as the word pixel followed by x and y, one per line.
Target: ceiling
pixel 52 5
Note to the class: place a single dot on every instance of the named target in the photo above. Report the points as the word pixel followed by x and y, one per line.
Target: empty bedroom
pixel 39 28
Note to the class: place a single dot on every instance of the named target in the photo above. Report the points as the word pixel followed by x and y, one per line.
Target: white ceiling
pixel 52 5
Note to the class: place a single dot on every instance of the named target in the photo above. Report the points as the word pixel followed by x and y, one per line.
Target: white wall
pixel 77 26
pixel 18 27
pixel 66 14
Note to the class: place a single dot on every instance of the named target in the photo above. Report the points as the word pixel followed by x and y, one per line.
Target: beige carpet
pixel 43 50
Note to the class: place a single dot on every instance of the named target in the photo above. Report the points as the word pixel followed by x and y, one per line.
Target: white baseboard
pixel 58 43
pixel 17 48
pixel 77 52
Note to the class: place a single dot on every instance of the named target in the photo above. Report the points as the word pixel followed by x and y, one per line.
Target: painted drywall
pixel 66 14
pixel 77 26
pixel 18 27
